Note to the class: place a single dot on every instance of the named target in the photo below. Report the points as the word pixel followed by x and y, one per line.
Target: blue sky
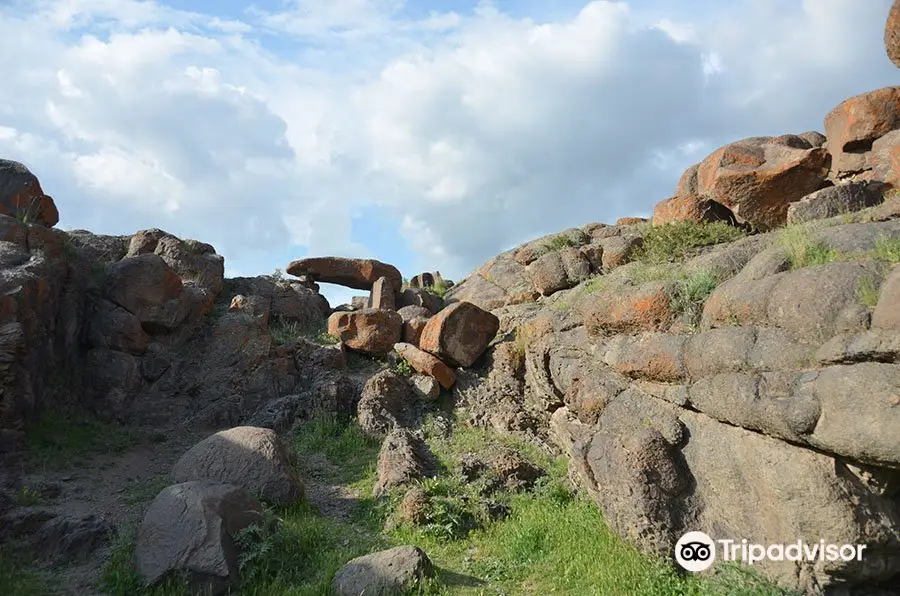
pixel 431 135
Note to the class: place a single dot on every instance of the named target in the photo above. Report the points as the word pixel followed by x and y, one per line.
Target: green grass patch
pixel 439 288
pixel 342 443
pixel 692 288
pixel 802 249
pixel 671 243
pixel 887 250
pixel 559 242
pixel 402 367
pixel 62 439
pixel 19 576
pixel 145 490
pixel 288 332
pixel 868 292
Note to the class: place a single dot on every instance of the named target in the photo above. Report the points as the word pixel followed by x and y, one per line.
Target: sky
pixel 431 135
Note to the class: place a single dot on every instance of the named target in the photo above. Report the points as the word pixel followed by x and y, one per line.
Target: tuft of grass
pixel 887 250
pixel 802 249
pixel 61 439
pixel 673 242
pixel 344 444
pixel 28 496
pixel 288 332
pixel 145 490
pixel 439 288
pixel 559 242
pixel 868 292
pixel 402 367
pixel 19 576
pixel 692 288
pixel 276 276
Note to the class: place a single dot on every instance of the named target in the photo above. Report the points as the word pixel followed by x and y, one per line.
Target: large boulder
pixel 190 528
pixel 250 457
pixel 831 201
pixel 115 328
pixel 892 33
pixel 887 311
pixel 757 178
pixel 884 159
pixel 460 333
pixel 858 122
pixel 195 262
pixel 146 286
pixel 21 195
pixel 394 571
pixel 360 274
pixel 691 208
pixel 373 331
pixel 383 295
pixel 427 364
pixel 559 270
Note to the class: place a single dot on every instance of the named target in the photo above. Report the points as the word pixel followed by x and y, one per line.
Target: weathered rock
pixel 422 280
pixel 884 159
pixel 413 509
pixel 278 414
pixel 814 138
pixel 149 288
pixel 382 295
pixel 856 123
pixel 191 528
pixel 359 302
pixel 70 539
pixel 412 330
pixel 783 300
pixel 630 221
pixel 115 328
pixel 21 195
pixel 420 298
pixel 501 281
pixel 887 311
pixel 393 571
pixel 618 250
pixel 876 345
pixel 372 331
pixel 460 333
pixel 500 467
pixel 757 178
pixel 691 208
pixel 256 307
pixel 113 379
pixel 403 459
pixel 558 270
pixel 384 404
pixel 246 456
pixel 427 364
pixel 831 201
pixel 410 312
pixel 425 386
pixel 360 274
pixel 892 34
pixel 645 308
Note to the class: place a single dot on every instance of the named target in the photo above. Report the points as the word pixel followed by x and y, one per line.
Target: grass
pixel 19 577
pixel 287 332
pixel 61 439
pixel 868 292
pixel 551 542
pixel 674 242
pixel 402 367
pixel 802 249
pixel 144 490
pixel 28 497
pixel 887 250
pixel 559 242
pixel 439 288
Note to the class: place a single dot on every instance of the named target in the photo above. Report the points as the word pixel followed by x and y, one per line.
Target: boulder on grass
pixel 190 528
pixel 393 571
pixel 253 458
pixel 403 459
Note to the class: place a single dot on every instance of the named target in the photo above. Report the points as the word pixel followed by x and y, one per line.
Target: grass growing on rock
pixel 559 242
pixel 287 332
pixel 887 250
pixel 675 241
pixel 802 249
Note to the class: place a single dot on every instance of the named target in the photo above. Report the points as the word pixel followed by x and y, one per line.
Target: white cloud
pixel 476 131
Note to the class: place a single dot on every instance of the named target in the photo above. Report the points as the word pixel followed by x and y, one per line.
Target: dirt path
pixel 117 488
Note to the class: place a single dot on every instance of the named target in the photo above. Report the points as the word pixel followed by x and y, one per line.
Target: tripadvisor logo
pixel 695 551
